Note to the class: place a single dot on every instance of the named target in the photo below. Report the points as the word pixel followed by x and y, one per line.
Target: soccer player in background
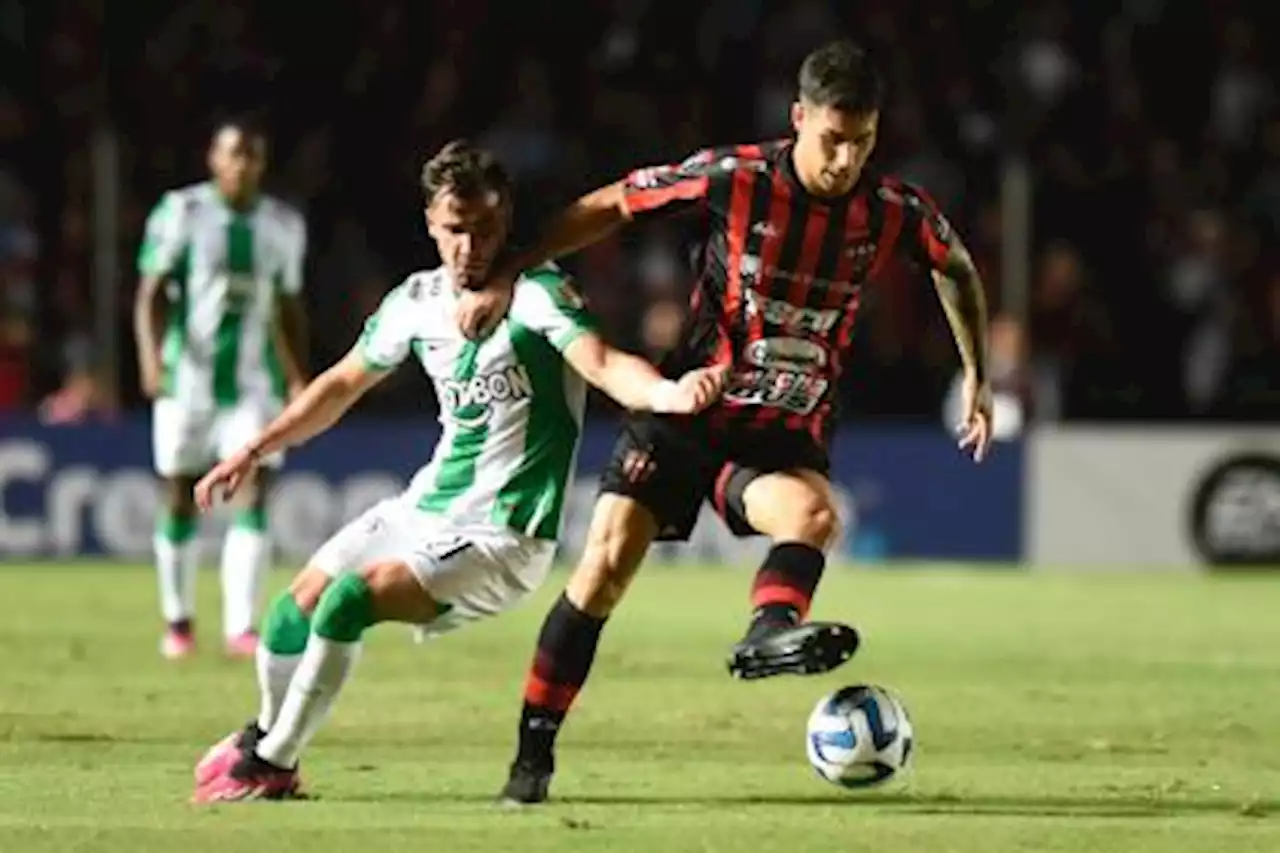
pixel 476 530
pixel 219 325
pixel 795 231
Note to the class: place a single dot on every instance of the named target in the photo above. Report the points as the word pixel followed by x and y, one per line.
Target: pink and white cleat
pixel 250 778
pixel 177 644
pixel 224 754
pixel 242 646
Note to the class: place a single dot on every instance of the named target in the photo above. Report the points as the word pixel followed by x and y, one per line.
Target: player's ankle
pixel 772 617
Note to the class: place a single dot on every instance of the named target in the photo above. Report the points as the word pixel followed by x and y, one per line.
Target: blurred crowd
pixel 1150 128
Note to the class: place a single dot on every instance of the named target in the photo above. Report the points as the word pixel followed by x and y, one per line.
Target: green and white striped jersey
pixel 511 407
pixel 224 270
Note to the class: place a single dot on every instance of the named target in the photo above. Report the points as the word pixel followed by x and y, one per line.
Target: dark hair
pixel 250 125
pixel 466 171
pixel 841 75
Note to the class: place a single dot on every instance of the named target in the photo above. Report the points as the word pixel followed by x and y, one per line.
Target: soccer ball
pixel 859 736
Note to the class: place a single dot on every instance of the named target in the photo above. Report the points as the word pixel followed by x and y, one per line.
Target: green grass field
pixel 1084 713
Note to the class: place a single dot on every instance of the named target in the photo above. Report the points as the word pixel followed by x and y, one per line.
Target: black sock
pixel 784 586
pixel 566 649
pixel 182 626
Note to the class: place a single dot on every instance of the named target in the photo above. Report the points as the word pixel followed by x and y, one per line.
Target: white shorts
pixel 188 441
pixel 478 571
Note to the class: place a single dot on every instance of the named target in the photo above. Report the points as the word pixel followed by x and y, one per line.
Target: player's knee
pixel 286 625
pixel 307 587
pixel 818 524
pixel 255 493
pixel 789 510
pixel 345 609
pixel 397 595
pixel 180 498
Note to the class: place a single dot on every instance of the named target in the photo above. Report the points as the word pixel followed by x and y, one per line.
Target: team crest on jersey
pixel 937 221
pixel 650 177
pixel 568 296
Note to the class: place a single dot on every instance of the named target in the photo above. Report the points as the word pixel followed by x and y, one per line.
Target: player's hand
pixel 150 379
pixel 226 478
pixel 694 391
pixel 479 311
pixel 976 428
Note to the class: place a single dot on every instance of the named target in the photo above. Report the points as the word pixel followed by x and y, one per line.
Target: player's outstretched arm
pixel 148 318
pixel 589 220
pixel 288 333
pixel 932 241
pixel 320 405
pixel 636 384
pixel 161 257
pixel 963 297
pixel 584 222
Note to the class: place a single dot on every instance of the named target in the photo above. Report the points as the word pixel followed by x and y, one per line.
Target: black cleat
pixel 809 648
pixel 249 737
pixel 526 785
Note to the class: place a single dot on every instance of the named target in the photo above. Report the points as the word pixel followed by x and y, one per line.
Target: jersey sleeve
pixel 295 256
pixel 547 302
pixel 927 236
pixel 678 186
pixel 165 237
pixel 388 334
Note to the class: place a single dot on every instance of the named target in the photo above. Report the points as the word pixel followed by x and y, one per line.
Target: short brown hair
pixel 464 170
pixel 844 76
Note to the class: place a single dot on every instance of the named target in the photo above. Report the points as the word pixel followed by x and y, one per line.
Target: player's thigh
pixel 476 573
pixel 239 424
pixel 396 594
pixel 795 505
pixel 182 438
pixel 377 534
pixel 618 538
pixel 379 545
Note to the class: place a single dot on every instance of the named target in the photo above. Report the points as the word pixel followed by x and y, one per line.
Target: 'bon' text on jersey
pixel 510 406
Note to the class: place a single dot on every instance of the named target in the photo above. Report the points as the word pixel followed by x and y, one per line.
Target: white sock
pixel 244 560
pixel 323 670
pixel 275 672
pixel 176 561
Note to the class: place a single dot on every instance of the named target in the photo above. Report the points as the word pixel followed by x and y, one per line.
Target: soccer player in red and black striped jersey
pixel 795 230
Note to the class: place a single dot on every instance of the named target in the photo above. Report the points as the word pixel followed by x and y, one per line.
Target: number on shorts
pixel 442 552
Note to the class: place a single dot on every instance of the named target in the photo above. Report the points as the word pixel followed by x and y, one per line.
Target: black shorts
pixel 692 462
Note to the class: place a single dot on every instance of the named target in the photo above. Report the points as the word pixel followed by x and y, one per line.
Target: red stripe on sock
pixel 544 694
pixel 765 593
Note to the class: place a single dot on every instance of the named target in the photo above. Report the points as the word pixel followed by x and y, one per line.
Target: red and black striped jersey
pixel 783 272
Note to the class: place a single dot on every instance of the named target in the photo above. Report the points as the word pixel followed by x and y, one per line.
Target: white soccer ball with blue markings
pixel 859 736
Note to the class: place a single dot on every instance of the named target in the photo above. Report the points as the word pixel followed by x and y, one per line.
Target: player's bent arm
pixel 148 318
pixel 290 337
pixel 320 405
pixel 964 301
pixel 630 380
pixel 588 220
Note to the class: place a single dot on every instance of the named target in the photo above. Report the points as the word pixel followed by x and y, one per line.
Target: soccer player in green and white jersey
pixel 219 323
pixel 476 530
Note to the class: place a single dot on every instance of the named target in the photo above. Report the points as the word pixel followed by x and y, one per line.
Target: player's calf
pixel 796 509
pixel 620 533
pixel 261 762
pixel 175 553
